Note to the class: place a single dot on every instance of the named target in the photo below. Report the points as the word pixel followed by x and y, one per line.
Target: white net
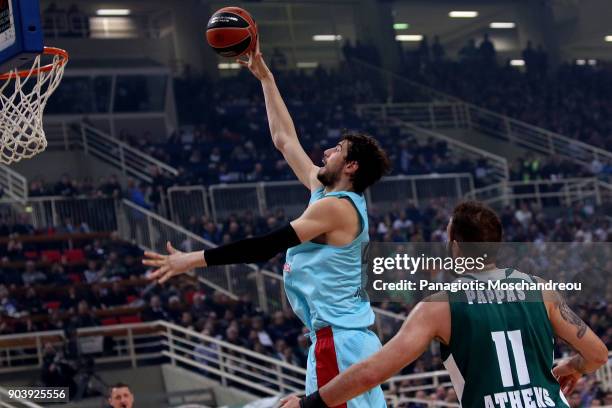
pixel 23 96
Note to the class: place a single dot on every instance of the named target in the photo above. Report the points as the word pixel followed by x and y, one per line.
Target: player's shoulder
pixel 332 205
pixel 331 210
pixel 435 304
pixel 435 311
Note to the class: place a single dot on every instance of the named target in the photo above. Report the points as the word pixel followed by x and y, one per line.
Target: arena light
pixel 580 62
pixel 408 37
pixel 307 65
pixel 228 65
pixel 592 62
pixel 517 62
pixel 113 12
pixel 401 26
pixel 463 14
pixel 500 24
pixel 326 37
pixel 608 38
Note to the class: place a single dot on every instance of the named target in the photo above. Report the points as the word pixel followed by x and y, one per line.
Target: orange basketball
pixel 231 32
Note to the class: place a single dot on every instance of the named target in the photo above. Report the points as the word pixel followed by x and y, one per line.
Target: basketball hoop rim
pixel 46 68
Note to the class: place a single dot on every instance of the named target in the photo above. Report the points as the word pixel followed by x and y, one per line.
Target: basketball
pixel 231 32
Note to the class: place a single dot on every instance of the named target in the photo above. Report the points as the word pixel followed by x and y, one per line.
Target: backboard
pixel 21 36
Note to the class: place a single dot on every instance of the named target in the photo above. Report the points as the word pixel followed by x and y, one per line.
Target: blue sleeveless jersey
pixel 323 282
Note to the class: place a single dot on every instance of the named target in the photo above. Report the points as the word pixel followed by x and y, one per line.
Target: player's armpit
pixel 572 329
pixel 427 321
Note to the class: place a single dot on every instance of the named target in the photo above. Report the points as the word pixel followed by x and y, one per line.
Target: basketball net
pixel 23 97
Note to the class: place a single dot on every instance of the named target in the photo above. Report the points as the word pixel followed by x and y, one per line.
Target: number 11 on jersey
pixel 501 347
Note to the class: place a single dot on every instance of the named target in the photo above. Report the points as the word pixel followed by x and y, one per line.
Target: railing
pixel 543 192
pixel 13 184
pixel 533 138
pixel 131 161
pixel 386 194
pixel 96 214
pixel 293 197
pixel 414 118
pixel 7 402
pixel 151 231
pixel 498 163
pixel 64 135
pixel 186 202
pixel 227 199
pixel 252 371
pixel 426 115
pixel 605 191
pixel 424 381
pixel 441 114
pixel 145 343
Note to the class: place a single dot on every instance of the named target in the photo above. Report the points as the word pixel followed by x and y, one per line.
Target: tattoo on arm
pixel 578 363
pixel 569 316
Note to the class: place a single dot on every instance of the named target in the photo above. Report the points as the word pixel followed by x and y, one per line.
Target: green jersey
pixel 501 348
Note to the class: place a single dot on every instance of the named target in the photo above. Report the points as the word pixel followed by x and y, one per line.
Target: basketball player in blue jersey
pixel 322 272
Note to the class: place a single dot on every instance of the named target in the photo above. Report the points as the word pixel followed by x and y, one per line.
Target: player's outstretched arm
pixel 592 352
pixel 427 321
pixel 323 216
pixel 282 129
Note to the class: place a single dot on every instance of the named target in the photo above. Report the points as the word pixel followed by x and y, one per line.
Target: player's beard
pixel 328 177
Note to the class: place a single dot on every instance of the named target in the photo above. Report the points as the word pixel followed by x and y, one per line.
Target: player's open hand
pixel 566 375
pixel 292 401
pixel 255 63
pixel 176 263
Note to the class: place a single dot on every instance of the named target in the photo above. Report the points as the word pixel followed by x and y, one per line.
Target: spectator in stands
pixel 487 50
pixel 120 396
pixel 155 311
pixel 37 189
pixel 114 268
pixel 78 22
pixel 469 51
pixel 437 50
pixel 57 275
pixel 206 351
pixel 65 187
pixel 175 309
pixel 232 335
pixel 8 305
pixel 23 225
pixel 56 371
pixel 70 227
pixel 14 250
pixel 32 276
pixel 112 187
pixel 136 194
pixel 93 273
pixel 115 297
pixel 85 317
pixel 530 58
pixel 259 332
pixel 32 303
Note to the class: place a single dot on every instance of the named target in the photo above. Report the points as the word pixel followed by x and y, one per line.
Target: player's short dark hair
pixel 473 221
pixel 372 159
pixel 109 392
